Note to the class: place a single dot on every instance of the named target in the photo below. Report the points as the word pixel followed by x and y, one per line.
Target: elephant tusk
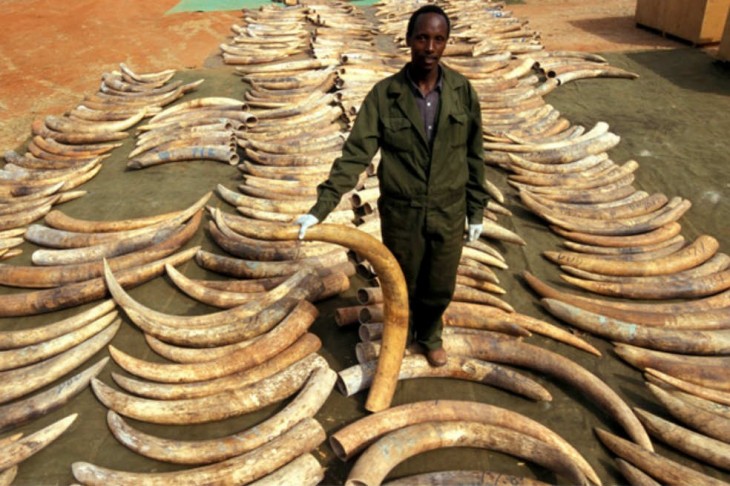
pixel 306 404
pixel 20 450
pixel 20 412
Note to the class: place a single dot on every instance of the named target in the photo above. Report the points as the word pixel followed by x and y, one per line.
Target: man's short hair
pixel 425 10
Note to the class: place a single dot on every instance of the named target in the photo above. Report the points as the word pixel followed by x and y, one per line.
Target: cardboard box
pixel 724 51
pixel 696 21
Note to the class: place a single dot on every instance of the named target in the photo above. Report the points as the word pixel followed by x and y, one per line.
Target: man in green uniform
pixel 426 121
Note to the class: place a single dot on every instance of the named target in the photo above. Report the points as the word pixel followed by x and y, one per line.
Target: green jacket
pixel 409 170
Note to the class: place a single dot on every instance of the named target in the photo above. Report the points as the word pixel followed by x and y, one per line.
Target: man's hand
pixel 305 221
pixel 475 230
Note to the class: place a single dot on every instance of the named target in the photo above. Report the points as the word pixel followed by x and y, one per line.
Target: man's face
pixel 428 41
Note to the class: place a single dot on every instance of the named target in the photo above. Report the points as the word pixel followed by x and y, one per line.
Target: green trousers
pixel 426 239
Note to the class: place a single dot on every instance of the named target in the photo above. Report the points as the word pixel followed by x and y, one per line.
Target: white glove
pixel 475 230
pixel 305 221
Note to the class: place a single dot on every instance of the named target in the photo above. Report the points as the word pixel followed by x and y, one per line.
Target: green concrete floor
pixel 674 121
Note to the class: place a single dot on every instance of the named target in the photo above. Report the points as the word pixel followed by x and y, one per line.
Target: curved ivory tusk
pixel 212 102
pixel 243 469
pixel 22 411
pixel 467 315
pixel 27 355
pixel 305 470
pixel 663 233
pixel 473 478
pixel 395 305
pixel 604 306
pixel 594 73
pixel 708 423
pixel 517 162
pixel 40 277
pixel 668 288
pixel 157 77
pixel 632 208
pixel 215 152
pixel 359 377
pixel 224 327
pixel 30 303
pixel 67 125
pixel 21 381
pixel 294 325
pixel 670 340
pixel 718 263
pixel 709 371
pixel 17 220
pixel 230 403
pixel 615 191
pixel 575 184
pixel 20 450
pixel 380 458
pixel 122 246
pixel 526 179
pixel 658 467
pixel 599 129
pixel 699 446
pixel 516 353
pixel 483 257
pixel 570 153
pixel 494 231
pixel 703 248
pixel 38 127
pixel 240 268
pixel 625 250
pixel 305 345
pixel 44 177
pixel 8 476
pixel 353 438
pixel 634 475
pixel 58 220
pixel 54 146
pixel 58 238
pixel 688 386
pixel 463 293
pixel 306 404
pixel 257 249
pixel 644 223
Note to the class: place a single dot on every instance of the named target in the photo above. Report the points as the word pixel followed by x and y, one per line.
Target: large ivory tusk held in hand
pixel 395 305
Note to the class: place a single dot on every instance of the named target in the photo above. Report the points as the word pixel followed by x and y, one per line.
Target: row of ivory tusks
pixel 251 134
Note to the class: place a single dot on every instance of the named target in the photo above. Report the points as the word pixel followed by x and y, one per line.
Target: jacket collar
pixel 400 90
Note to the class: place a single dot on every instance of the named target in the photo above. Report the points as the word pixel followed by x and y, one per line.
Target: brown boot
pixel 437 357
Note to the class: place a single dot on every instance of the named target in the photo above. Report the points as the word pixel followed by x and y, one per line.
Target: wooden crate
pixel 650 13
pixel 696 21
pixel 724 50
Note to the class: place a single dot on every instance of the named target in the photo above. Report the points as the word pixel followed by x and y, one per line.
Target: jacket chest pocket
pixel 397 134
pixel 457 129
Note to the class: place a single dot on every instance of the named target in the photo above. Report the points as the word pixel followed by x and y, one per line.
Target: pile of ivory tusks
pixel 199 129
pixel 33 358
pixel 267 35
pixel 67 151
pixel 293 144
pixel 622 243
pixel 64 153
pixel 224 364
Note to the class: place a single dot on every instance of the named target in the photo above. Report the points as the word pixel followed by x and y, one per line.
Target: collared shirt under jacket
pixel 409 170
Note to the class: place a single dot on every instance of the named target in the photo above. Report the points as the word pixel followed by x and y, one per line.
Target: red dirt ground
pixel 52 53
